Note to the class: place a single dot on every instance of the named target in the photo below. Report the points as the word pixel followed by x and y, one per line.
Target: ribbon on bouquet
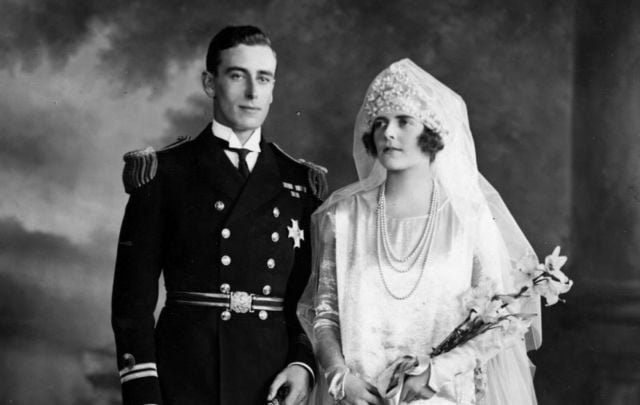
pixel 390 382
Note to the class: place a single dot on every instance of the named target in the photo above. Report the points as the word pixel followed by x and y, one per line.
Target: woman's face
pixel 396 135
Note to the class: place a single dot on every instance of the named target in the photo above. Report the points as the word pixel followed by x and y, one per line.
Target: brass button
pixel 226 233
pixel 263 315
pixel 225 288
pixel 271 263
pixel 225 260
pixel 225 315
pixel 275 236
pixel 219 205
pixel 266 290
pixel 276 212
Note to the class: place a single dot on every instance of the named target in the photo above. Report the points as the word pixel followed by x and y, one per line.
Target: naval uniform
pixel 235 256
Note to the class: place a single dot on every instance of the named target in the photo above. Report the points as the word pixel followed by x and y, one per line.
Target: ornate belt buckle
pixel 240 302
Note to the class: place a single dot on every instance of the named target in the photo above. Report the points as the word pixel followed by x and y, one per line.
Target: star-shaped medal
pixel 295 233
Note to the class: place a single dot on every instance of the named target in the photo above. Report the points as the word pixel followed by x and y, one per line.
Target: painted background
pixel 83 82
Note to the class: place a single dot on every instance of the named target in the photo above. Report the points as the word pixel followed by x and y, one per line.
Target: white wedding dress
pixel 375 327
pixel 348 308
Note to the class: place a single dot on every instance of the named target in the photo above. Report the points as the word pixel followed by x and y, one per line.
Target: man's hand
pixel 296 380
pixel 415 387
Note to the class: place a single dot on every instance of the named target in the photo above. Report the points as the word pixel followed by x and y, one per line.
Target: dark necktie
pixel 242 160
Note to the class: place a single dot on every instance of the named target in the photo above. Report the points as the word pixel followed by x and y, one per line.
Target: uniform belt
pixel 236 301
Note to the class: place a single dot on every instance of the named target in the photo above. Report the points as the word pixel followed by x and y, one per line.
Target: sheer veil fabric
pixel 463 187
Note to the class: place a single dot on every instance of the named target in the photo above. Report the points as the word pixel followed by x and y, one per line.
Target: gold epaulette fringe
pixel 140 167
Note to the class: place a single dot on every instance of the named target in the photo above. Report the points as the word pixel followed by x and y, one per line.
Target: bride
pixel 394 252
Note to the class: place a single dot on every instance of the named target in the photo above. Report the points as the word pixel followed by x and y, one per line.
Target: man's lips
pixel 249 108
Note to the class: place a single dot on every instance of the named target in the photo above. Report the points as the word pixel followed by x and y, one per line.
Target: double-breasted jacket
pixel 235 257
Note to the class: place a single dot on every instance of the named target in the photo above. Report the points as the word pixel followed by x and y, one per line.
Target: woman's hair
pixel 429 141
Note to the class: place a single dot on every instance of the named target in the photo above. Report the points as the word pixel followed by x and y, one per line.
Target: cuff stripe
pixel 137 367
pixel 138 371
pixel 138 374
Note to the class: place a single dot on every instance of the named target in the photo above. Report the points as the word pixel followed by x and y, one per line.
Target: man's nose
pixel 250 89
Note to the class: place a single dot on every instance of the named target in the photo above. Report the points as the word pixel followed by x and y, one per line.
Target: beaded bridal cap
pixel 397 89
pixel 406 88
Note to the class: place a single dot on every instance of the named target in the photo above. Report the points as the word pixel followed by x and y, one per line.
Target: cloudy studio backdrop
pixel 550 88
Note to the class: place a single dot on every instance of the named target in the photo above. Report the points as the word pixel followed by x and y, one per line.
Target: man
pixel 225 218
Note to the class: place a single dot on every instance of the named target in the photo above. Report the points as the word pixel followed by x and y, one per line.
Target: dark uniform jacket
pixel 192 217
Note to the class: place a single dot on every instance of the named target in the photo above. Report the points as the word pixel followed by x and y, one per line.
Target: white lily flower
pixel 554 261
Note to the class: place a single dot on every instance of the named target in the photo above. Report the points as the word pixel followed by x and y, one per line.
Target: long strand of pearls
pixel 419 253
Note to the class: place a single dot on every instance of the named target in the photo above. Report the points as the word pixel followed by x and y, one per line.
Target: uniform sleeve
pixel 300 348
pixel 135 293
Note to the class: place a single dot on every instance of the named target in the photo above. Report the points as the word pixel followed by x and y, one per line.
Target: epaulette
pixel 317 175
pixel 141 166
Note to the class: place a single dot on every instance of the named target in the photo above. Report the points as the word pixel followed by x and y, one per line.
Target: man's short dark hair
pixel 232 36
pixel 430 143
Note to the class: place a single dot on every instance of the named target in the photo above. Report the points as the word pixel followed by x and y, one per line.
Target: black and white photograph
pixel 317 202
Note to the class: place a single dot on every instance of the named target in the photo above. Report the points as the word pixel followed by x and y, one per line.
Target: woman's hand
pixel 359 392
pixel 415 387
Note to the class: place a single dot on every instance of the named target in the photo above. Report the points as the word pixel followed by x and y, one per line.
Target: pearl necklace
pixel 419 253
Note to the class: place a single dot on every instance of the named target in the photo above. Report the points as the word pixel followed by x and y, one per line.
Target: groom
pixel 225 218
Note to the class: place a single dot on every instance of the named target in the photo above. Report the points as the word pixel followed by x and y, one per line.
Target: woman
pixel 395 251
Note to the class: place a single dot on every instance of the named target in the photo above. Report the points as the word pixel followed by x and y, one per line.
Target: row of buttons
pixel 219 206
pixel 226 234
pixel 226 261
pixel 225 288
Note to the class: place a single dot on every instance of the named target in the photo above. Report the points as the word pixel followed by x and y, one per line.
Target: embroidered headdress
pixel 397 89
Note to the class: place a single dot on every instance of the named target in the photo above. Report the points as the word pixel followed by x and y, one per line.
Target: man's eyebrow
pixel 236 68
pixel 266 73
pixel 245 71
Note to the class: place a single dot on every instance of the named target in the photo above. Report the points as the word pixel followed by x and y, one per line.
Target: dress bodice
pixel 377 328
pixel 355 305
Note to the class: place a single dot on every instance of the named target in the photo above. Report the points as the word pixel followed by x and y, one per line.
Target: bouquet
pixel 487 310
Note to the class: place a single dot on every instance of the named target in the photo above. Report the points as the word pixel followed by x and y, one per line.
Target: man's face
pixel 243 87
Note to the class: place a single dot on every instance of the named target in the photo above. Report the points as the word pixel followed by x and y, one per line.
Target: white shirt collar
pixel 227 134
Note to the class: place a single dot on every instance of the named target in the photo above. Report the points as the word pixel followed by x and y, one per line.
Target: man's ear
pixel 208 84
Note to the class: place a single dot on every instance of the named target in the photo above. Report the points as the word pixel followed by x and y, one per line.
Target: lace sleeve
pixel 326 325
pixel 318 309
